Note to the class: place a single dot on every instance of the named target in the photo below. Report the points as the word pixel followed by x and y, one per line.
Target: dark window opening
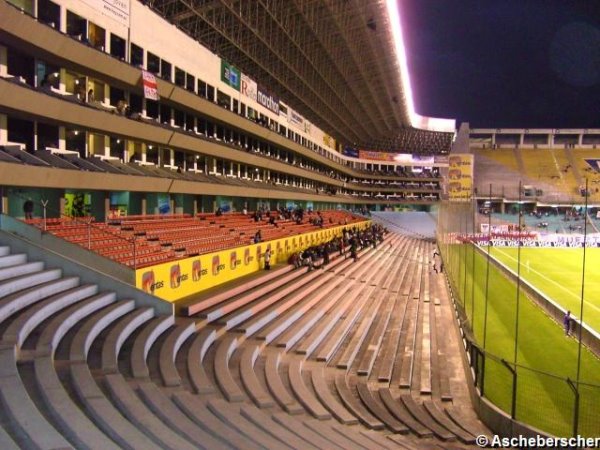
pixel 179 77
pixel 49 13
pixel 117 47
pixel 137 56
pixel 153 64
pixel 76 26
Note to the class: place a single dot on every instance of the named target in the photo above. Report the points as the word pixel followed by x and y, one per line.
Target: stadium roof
pixel 334 61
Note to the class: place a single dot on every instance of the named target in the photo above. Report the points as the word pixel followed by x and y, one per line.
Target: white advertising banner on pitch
pixel 117 10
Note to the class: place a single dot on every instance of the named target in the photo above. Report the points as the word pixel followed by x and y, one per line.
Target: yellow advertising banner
pixel 460 177
pixel 177 279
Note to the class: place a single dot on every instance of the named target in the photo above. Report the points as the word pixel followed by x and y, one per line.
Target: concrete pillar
pixel 3 202
pixel 62 134
pixel 62 205
pixel 3 129
pixel 144 204
pixel 3 61
pixel 580 139
pixel 106 205
pixel 63 19
pixel 62 78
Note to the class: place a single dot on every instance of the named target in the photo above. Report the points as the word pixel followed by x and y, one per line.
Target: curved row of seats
pixel 301 359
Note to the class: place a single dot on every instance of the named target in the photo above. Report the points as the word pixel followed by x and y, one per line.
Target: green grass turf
pixel 544 399
pixel 557 272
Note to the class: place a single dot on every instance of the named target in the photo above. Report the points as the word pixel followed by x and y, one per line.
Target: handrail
pixel 86 221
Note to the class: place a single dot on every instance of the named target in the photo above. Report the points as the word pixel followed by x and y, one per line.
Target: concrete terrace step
pixel 20 328
pixel 83 339
pixel 249 378
pixel 104 414
pixel 344 322
pixel 319 381
pixel 223 375
pixel 203 417
pixel 168 352
pixel 250 310
pixel 66 415
pixel 297 427
pixel 400 412
pixel 144 341
pixel 18 283
pixel 196 352
pixel 354 405
pixel 215 297
pixel 60 325
pixel 347 358
pixel 233 303
pixel 266 424
pixel 270 315
pixel 137 413
pixel 230 414
pixel 378 410
pixel 111 346
pixel 303 394
pixel 13 260
pixel 20 269
pixel 167 412
pixel 276 386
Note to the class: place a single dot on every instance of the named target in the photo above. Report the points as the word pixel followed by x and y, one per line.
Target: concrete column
pixel 63 19
pixel 62 134
pixel 3 128
pixel 3 61
pixel 144 204
pixel 580 139
pixel 62 77
pixel 62 205
pixel 106 205
pixel 3 202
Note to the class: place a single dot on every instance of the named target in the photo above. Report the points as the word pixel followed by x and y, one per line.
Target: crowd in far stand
pixel 351 241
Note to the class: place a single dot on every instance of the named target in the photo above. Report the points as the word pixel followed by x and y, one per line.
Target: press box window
pixel 117 47
pixel 137 56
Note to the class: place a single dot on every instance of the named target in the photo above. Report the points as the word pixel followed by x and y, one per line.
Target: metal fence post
pixel 576 407
pixel 44 204
pixel 134 254
pixel 89 234
pixel 513 406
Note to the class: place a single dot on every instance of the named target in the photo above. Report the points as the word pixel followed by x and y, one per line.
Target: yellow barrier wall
pixel 177 279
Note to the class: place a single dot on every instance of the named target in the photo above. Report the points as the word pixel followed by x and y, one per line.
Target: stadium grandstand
pixel 224 225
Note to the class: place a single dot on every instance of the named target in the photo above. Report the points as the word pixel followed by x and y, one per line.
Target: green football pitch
pixel 547 360
pixel 557 273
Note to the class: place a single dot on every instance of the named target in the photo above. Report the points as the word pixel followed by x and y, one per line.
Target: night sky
pixel 505 63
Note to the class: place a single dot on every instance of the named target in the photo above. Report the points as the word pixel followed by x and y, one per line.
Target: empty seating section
pixel 505 157
pixel 145 240
pixel 332 358
pixel 557 174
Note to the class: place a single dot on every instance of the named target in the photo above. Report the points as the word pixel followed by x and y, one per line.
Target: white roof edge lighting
pixel 416 120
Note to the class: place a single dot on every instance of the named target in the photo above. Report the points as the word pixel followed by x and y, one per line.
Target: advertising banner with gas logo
pixel 460 177
pixel 177 279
